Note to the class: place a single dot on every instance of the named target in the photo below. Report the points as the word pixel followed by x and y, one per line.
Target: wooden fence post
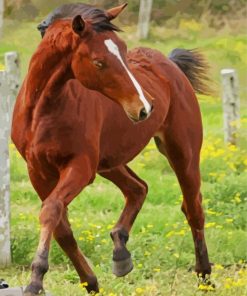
pixel 9 83
pixel 1 16
pixel 231 105
pixel 144 18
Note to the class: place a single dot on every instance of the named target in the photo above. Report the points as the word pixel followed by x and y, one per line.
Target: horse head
pixel 99 61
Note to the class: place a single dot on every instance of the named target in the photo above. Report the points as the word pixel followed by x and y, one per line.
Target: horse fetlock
pixel 40 266
pixel 203 266
pixel 40 263
pixel 92 284
pixel 119 235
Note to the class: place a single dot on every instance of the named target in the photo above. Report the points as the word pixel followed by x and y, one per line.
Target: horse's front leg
pixel 77 174
pixel 65 238
pixel 135 191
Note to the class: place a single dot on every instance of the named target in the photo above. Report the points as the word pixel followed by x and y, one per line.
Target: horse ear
pixel 78 25
pixel 114 12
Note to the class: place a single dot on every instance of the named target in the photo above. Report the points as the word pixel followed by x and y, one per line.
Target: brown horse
pixel 67 128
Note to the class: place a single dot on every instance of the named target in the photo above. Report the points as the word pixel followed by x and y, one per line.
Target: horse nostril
pixel 143 114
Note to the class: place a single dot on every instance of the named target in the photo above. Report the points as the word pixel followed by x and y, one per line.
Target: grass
pixel 160 242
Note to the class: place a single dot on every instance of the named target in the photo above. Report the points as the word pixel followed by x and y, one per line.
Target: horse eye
pixel 98 64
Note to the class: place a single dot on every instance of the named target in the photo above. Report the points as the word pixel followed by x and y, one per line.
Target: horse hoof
pixel 123 267
pixel 33 290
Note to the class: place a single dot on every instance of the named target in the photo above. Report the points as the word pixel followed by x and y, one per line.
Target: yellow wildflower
pixel 229 283
pixel 206 287
pixel 83 285
pixel 110 226
pixel 210 212
pixel 242 272
pixel 139 290
pixel 181 232
pixel 232 148
pixel 210 224
pixel 213 174
pixel 218 267
pixel 237 198
pixel 170 233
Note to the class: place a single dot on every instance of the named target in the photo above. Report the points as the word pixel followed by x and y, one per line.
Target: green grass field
pixel 160 242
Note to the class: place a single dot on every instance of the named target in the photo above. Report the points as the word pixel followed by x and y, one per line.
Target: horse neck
pixel 48 71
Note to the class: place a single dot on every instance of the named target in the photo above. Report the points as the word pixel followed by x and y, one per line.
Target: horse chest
pixel 52 141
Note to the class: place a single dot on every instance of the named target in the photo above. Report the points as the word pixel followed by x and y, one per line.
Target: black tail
pixel 194 66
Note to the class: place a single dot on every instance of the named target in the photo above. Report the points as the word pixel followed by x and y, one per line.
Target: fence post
pixel 1 16
pixel 144 18
pixel 9 83
pixel 231 105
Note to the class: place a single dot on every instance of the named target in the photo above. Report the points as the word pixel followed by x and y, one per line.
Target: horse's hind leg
pixel 135 191
pixel 183 155
pixel 64 236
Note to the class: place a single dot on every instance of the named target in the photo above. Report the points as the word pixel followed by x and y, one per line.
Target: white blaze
pixel 113 48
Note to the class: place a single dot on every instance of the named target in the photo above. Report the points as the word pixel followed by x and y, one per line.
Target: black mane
pixel 97 17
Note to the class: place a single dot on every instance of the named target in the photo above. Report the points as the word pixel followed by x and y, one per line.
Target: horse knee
pixel 51 212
